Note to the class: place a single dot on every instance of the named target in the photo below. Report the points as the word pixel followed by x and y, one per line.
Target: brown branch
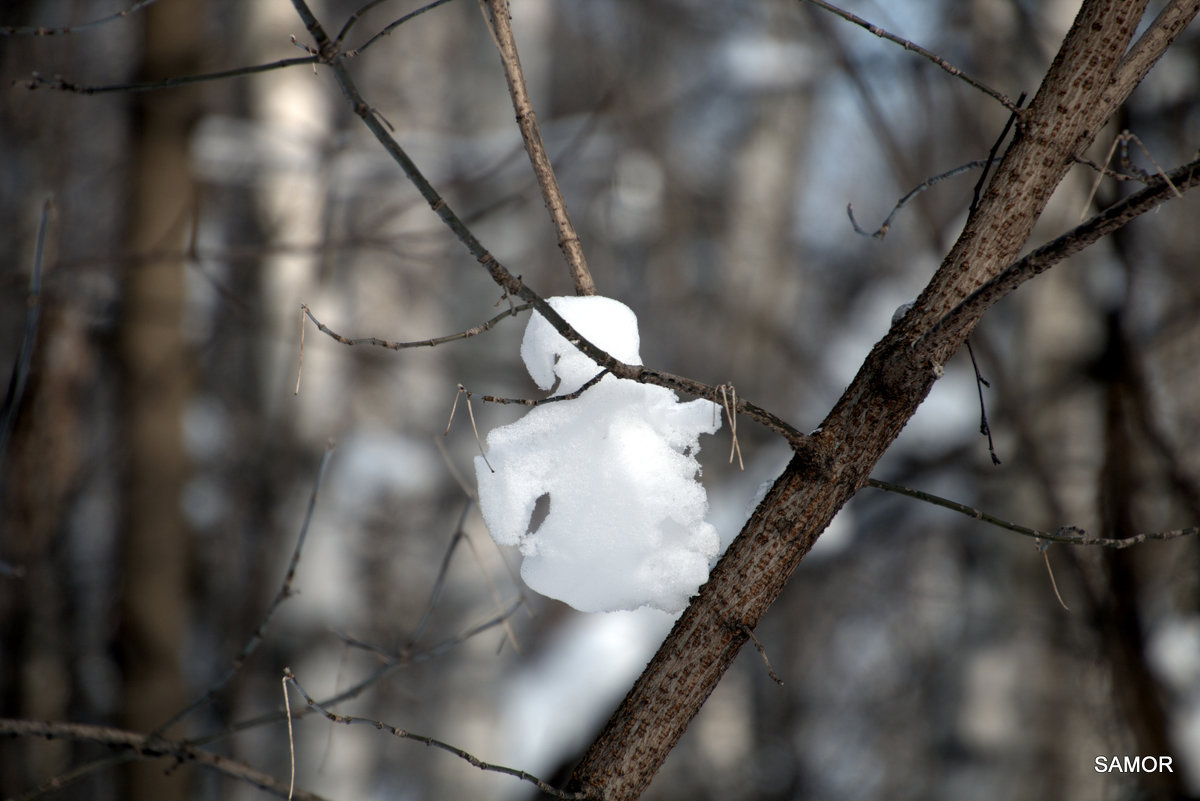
pixel 591 382
pixel 487 325
pixel 831 465
pixel 1172 185
pixel 1146 52
pixel 146 746
pixel 500 274
pixel 500 23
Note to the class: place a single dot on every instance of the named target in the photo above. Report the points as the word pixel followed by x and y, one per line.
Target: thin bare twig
pixel 1000 97
pixel 1067 535
pixel 758 646
pixel 460 535
pixel 134 745
pixel 471 414
pixel 991 159
pixel 1111 219
pixel 1122 140
pixel 500 23
pixel 387 30
pixel 886 225
pixel 487 325
pixel 285 592
pixel 730 404
pixel 37 81
pixel 1043 546
pixel 985 164
pixel 980 383
pixel 501 275
pixel 392 663
pixel 591 382
pixel 300 365
pixel 42 30
pixel 287 705
pixel 431 742
pixel 33 311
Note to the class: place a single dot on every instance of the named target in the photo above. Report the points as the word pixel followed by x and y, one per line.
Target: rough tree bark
pixel 1089 78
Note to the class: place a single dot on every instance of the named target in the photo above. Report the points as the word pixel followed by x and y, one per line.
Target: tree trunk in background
pixel 157 384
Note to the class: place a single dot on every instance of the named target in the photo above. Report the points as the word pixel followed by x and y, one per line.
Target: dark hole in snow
pixel 541 508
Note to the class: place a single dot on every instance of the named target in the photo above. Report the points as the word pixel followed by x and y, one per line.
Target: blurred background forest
pixel 157 473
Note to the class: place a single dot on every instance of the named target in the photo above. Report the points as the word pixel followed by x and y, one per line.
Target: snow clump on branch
pixel 626 523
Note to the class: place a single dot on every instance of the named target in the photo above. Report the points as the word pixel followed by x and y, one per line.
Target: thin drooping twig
pixel 1122 141
pixel 135 745
pixel 429 741
pixel 980 383
pixel 392 664
pixel 991 159
pixel 1002 98
pixel 460 535
pixel 500 274
pixel 1067 535
pixel 500 23
pixel 885 226
pixel 285 592
pixel 762 652
pixel 1044 547
pixel 487 325
pixel 37 81
pixel 43 30
pixel 470 414
pixel 387 30
pixel 33 312
pixel 729 402
pixel 287 710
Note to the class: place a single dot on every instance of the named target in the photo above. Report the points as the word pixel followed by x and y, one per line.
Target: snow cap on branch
pixel 626 523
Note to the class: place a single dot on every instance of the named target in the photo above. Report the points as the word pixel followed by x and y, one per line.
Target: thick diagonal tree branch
pixel 1091 76
pixel 1116 216
pixel 1078 94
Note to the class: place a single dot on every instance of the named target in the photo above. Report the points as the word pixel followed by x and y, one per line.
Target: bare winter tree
pixel 726 252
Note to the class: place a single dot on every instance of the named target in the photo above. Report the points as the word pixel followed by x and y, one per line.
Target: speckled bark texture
pixel 1090 77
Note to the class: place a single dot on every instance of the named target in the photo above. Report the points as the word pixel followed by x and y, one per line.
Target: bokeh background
pixel 159 466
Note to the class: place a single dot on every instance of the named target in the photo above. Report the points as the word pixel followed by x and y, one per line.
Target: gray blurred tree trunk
pixel 157 384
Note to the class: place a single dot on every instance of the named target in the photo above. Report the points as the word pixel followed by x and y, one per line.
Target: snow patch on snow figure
pixel 626 523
